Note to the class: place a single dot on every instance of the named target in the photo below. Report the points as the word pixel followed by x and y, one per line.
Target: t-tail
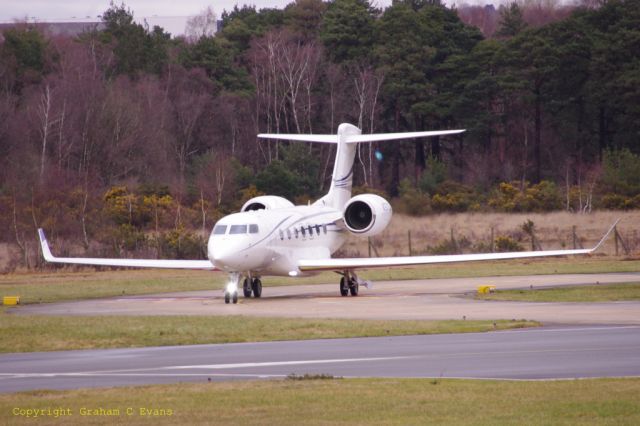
pixel 347 140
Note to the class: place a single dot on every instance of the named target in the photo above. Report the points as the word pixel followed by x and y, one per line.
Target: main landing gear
pixel 249 286
pixel 252 285
pixel 349 284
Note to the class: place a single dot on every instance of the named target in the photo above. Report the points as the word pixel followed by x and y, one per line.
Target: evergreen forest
pixel 124 138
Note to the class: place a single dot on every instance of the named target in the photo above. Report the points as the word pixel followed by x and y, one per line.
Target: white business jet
pixel 271 236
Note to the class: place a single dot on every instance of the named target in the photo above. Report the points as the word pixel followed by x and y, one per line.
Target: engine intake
pixel 367 214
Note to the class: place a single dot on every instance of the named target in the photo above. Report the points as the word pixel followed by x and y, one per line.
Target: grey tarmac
pixel 433 299
pixel 546 353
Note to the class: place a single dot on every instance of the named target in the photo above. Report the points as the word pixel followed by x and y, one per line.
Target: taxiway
pixel 547 353
pixel 433 299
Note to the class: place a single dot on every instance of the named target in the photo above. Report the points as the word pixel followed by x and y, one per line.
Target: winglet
pixel 605 236
pixel 46 252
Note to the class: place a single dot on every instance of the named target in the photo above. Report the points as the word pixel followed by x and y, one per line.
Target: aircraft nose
pixel 221 256
pixel 227 255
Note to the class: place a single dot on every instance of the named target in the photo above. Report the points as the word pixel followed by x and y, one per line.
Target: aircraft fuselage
pixel 270 242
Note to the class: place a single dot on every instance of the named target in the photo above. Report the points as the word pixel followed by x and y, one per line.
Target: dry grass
pixel 346 402
pixel 554 230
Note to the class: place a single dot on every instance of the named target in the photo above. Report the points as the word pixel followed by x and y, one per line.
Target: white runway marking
pixel 157 372
pixel 111 374
pixel 279 363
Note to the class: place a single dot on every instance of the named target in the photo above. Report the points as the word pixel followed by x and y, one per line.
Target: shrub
pixel 124 207
pixel 127 237
pixel 620 202
pixel 450 246
pixel 453 197
pixel 505 243
pixel 412 201
pixel 540 197
pixel 433 176
pixel 181 244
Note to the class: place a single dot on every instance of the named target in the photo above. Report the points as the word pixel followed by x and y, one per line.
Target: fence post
pixel 576 241
pixel 409 238
pixel 369 245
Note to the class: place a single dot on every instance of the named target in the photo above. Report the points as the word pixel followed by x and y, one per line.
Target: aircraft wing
pixel 391 262
pixel 135 263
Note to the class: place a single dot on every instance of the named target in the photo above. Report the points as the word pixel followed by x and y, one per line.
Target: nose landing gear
pixel 231 290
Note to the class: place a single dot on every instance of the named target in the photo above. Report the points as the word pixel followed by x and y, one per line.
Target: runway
pixel 434 299
pixel 547 353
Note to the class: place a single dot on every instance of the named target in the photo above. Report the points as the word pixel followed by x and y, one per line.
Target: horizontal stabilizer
pixel 357 138
pixel 376 137
pixel 300 138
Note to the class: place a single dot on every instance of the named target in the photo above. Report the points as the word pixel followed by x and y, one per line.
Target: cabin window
pixel 288 234
pixel 281 234
pixel 310 231
pixel 219 229
pixel 296 232
pixel 253 228
pixel 238 229
pixel 318 230
pixel 304 234
pixel 324 228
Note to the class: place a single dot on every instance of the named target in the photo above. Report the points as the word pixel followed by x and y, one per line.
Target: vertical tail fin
pixel 342 177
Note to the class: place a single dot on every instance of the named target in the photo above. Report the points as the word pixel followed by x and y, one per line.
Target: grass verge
pixel 50 333
pixel 346 402
pixel 586 293
pixel 88 284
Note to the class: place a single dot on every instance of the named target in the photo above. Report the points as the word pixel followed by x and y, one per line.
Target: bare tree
pixel 44 113
pixel 201 25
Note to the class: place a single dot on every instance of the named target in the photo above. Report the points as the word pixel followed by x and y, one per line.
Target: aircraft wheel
pixel 246 287
pixel 234 297
pixel 344 288
pixel 227 297
pixel 353 288
pixel 256 285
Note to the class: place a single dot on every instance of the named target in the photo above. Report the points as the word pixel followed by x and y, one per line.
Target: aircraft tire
pixel 256 285
pixel 344 288
pixel 227 297
pixel 353 288
pixel 246 287
pixel 235 297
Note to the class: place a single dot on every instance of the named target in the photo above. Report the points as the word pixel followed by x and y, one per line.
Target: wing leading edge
pixel 134 263
pixel 390 262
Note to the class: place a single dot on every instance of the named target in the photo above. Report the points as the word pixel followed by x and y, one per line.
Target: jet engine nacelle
pixel 367 214
pixel 266 202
